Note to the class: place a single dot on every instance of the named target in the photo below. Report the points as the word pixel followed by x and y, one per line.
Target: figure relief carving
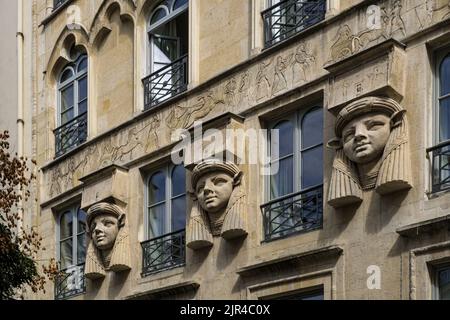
pixel 219 203
pixel 108 240
pixel 262 81
pixel 393 21
pixel 230 92
pixel 244 87
pixel 302 63
pixel 279 81
pixel 372 150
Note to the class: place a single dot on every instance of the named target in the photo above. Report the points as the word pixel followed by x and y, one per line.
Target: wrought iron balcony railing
pixel 71 134
pixel 288 17
pixel 166 82
pixel 440 166
pixel 58 3
pixel 293 213
pixel 70 282
pixel 163 253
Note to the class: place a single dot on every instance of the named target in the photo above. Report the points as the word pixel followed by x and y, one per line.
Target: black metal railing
pixel 288 17
pixel 70 282
pixel 293 213
pixel 71 134
pixel 440 166
pixel 58 3
pixel 163 253
pixel 166 82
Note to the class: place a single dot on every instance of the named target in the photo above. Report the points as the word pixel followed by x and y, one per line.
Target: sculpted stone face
pixel 104 228
pixel 364 138
pixel 214 190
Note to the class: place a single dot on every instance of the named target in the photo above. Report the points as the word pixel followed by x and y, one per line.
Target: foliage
pixel 18 246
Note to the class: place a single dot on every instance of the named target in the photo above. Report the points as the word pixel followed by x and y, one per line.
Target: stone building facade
pixel 353 206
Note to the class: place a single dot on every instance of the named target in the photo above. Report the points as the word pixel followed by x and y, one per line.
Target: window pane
pixel 157 188
pixel 156 221
pixel 66 224
pixel 444 119
pixel 312 171
pixel 178 213
pixel 83 65
pixel 178 181
pixel 65 253
pixel 179 4
pixel 445 76
pixel 82 107
pixel 312 128
pixel 285 144
pixel 67 74
pixel 67 98
pixel 67 116
pixel 81 221
pixel 82 89
pixel 281 183
pixel 81 248
pixel 444 284
pixel 158 15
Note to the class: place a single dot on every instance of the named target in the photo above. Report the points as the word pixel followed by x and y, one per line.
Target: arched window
pixel 72 105
pixel 167 51
pixel 294 187
pixel 166 219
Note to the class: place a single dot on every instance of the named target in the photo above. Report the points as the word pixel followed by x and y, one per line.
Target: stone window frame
pixel 296 284
pixel 167 169
pixel 297 117
pixel 423 263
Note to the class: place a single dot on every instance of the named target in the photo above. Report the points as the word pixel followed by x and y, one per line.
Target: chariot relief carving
pixel 108 240
pixel 219 204
pixel 372 150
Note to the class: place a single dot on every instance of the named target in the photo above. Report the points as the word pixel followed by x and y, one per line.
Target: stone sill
pixel 333 250
pixel 424 227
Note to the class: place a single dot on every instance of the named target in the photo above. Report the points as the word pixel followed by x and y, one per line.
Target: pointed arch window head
pixel 72 91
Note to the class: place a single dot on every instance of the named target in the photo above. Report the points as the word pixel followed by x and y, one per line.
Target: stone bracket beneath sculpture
pixel 379 70
pixel 108 184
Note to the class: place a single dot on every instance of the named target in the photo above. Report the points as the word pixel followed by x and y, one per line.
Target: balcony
pixel 71 134
pixel 58 3
pixel 70 282
pixel 293 213
pixel 163 253
pixel 166 82
pixel 440 166
pixel 288 17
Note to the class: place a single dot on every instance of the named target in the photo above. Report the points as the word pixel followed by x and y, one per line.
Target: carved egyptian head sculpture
pixel 218 207
pixel 108 247
pixel 371 150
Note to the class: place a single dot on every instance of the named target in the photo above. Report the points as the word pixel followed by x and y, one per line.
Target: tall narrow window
pixel 167 52
pixel 440 153
pixel 72 106
pixel 166 219
pixel 443 283
pixel 72 253
pixel 295 185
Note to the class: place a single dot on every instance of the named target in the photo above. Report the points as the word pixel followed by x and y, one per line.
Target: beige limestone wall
pixel 292 76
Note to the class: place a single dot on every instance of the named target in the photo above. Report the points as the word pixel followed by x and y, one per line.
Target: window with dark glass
pixel 167 52
pixel 442 282
pixel 294 190
pixel 72 106
pixel 284 18
pixel 440 152
pixel 166 219
pixel 71 253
